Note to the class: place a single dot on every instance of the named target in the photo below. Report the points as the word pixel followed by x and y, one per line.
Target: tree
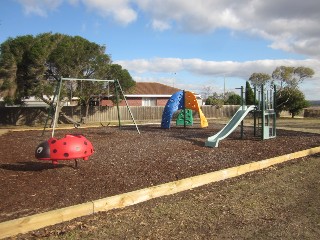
pixel 206 91
pixel 116 71
pixel 31 66
pixel 216 99
pixel 233 99
pixel 290 76
pixel 249 95
pixel 29 63
pixel 292 100
pixel 257 79
pixel 287 80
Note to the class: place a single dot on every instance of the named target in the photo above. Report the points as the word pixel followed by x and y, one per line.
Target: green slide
pixel 242 112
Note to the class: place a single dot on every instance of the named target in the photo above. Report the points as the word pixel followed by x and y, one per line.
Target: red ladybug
pixel 71 147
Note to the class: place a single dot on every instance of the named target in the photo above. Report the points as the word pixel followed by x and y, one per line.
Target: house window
pixel 149 102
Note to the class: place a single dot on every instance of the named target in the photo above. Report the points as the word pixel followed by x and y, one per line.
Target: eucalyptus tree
pixel 258 79
pixel 287 80
pixel 291 76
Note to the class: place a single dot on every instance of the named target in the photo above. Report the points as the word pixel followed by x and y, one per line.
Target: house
pixel 142 94
pixel 149 94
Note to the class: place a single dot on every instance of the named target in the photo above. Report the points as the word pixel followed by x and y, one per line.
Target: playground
pixel 124 161
pixel 38 177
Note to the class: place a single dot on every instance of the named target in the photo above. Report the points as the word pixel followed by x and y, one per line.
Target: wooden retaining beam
pixel 37 221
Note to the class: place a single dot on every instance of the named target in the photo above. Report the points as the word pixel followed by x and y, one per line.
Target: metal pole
pixel 262 112
pixel 275 110
pixel 51 108
pixel 117 101
pixel 87 79
pixel 124 97
pixel 242 100
pixel 255 114
pixel 224 89
pixel 184 109
pixel 242 104
pixel 56 117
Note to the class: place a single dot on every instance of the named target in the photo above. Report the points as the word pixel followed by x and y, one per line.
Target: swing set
pixel 72 146
pixel 53 111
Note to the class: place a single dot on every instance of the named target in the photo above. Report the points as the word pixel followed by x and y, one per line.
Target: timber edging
pixel 41 220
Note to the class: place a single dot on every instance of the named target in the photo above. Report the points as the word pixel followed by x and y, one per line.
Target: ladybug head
pixel 43 151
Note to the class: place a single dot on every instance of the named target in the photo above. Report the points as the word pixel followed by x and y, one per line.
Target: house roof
pixel 152 88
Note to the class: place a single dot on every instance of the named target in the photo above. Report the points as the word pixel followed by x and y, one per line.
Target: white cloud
pixel 156 65
pixel 160 25
pixel 119 10
pixel 39 7
pixel 213 68
pixel 194 74
pixel 290 25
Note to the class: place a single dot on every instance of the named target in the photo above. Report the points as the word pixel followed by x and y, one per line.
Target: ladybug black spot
pixel 64 143
pixel 66 154
pixel 55 151
pixel 85 143
pixel 53 141
pixel 85 152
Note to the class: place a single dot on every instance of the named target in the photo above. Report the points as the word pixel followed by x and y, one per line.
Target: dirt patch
pixel 281 202
pixel 124 161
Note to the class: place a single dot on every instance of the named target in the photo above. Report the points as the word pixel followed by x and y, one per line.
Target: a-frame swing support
pixel 58 92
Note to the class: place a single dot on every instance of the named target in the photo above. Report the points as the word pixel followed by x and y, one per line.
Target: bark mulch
pixel 124 161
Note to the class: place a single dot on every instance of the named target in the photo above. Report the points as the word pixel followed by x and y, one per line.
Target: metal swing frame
pixel 58 92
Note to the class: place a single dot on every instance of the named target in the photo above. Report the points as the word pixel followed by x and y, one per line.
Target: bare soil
pixel 124 161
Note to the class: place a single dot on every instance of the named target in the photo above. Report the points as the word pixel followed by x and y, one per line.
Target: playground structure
pixel 185 118
pixel 55 105
pixel 264 117
pixel 185 101
pixel 71 147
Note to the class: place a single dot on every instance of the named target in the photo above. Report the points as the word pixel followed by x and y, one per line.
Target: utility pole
pixel 224 88
pixel 173 80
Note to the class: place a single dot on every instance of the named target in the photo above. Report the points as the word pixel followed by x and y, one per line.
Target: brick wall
pixel 131 102
pixel 162 101
pixel 134 102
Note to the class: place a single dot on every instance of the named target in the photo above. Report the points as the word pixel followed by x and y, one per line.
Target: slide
pixel 242 112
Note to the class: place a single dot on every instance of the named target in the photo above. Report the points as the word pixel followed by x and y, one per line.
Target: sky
pixel 191 45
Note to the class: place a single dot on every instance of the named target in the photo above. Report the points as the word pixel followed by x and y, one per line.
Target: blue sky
pixel 192 45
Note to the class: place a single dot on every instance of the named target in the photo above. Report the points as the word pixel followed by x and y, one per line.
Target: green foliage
pixel 287 80
pixel 30 66
pixel 116 71
pixel 6 85
pixel 249 95
pixel 215 100
pixel 292 100
pixel 233 99
pixel 257 79
pixel 9 100
pixel 229 98
pixel 291 76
